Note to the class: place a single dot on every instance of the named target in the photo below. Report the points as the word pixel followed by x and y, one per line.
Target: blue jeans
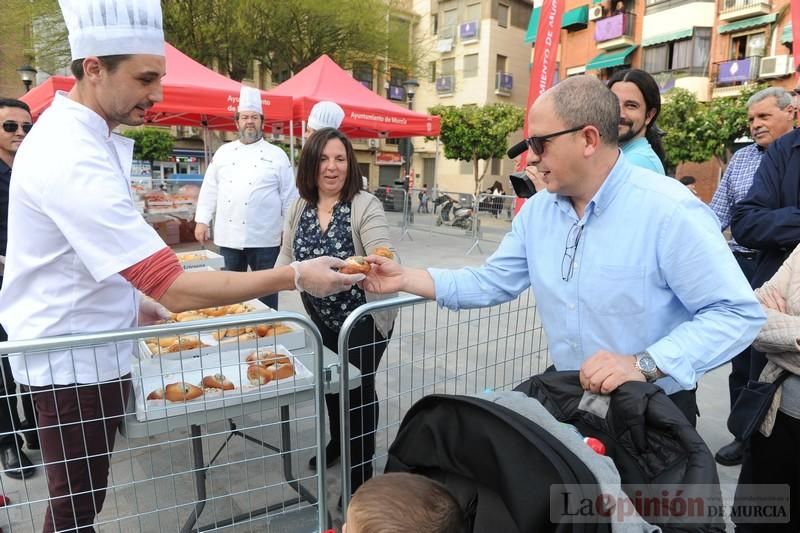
pixel 256 259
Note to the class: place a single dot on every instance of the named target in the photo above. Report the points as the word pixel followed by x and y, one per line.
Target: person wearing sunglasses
pixel 632 278
pixel 15 116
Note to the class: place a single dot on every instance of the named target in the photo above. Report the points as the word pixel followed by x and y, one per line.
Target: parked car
pixel 391 197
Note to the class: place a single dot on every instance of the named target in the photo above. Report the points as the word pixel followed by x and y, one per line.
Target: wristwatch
pixel 647 366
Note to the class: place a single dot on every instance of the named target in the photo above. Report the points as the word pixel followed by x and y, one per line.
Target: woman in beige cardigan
pixel 333 216
pixel 773 457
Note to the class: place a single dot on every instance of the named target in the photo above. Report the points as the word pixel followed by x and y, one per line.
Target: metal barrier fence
pixel 434 351
pixel 489 222
pixel 178 465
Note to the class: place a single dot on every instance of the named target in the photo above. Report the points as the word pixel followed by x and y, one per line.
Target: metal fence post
pixel 475 221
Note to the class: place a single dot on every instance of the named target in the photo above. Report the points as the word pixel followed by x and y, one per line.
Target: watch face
pixel 647 364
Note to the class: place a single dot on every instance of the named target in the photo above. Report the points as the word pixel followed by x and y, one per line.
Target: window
pixel 473 12
pixel 449 22
pixel 435 23
pixel 432 70
pixel 688 55
pixel 362 72
pixel 502 64
pixel 470 65
pixel 502 15
pixel 281 76
pixel 496 162
pixel 448 67
pixel 752 44
pixel 397 77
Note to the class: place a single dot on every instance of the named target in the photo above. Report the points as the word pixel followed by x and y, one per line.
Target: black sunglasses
pixel 10 126
pixel 536 144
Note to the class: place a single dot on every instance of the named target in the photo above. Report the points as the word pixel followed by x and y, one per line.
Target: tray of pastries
pixel 213 340
pixel 201 258
pixel 165 387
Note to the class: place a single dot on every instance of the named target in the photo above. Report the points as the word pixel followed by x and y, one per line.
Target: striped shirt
pixel 735 184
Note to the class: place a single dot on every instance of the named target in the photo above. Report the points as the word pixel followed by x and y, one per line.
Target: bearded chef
pixel 246 191
pixel 79 254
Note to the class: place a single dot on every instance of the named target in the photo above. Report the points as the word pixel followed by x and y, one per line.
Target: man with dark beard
pixel 639 106
pixel 246 191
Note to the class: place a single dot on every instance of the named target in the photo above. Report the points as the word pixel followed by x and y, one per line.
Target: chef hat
pixel 325 115
pixel 250 100
pixel 113 27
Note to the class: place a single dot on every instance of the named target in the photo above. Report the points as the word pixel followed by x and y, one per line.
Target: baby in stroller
pixel 403 502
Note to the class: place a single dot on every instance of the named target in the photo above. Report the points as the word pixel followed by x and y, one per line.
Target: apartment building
pixel 473 55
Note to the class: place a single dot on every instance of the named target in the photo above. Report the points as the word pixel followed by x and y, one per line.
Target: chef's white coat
pixel 72 227
pixel 247 190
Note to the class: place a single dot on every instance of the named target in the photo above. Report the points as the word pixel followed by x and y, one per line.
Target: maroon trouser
pixel 77 427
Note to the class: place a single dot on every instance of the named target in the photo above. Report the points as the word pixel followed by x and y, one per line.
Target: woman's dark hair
pixel 652 100
pixel 311 158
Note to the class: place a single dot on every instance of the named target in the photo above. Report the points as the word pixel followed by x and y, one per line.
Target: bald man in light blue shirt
pixel 632 278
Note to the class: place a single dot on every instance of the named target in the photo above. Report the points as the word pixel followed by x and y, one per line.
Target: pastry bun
pixel 218 381
pixel 182 392
pixel 383 252
pixel 355 265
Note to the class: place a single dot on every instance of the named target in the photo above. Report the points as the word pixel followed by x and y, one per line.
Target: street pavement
pixel 147 480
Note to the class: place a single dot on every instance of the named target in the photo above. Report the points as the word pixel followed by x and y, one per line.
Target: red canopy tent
pixel 194 95
pixel 367 114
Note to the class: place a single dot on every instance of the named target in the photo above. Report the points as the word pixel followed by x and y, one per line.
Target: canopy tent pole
pixel 291 141
pixel 302 133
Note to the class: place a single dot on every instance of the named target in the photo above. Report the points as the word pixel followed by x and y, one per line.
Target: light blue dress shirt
pixel 640 153
pixel 651 272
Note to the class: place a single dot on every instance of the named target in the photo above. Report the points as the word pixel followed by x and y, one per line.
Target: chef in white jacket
pixel 246 191
pixel 80 255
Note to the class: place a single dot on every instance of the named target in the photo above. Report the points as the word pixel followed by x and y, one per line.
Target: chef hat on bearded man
pixel 113 27
pixel 325 115
pixel 250 100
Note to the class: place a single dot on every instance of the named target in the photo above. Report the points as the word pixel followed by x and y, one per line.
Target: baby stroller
pixel 507 456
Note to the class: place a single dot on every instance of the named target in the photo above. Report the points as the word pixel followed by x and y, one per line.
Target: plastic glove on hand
pixel 317 277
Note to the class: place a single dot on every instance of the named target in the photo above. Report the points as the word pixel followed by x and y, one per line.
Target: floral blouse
pixel 337 241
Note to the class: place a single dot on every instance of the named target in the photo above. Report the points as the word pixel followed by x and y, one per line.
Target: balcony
pixel 616 31
pixel 730 10
pixel 503 83
pixel 445 85
pixel 730 77
pixel 469 32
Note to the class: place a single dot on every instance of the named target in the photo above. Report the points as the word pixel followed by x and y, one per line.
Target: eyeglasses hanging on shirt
pixel 570 251
pixel 9 126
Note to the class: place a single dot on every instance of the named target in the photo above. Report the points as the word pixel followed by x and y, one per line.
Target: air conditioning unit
pixel 373 143
pixel 775 66
pixel 596 12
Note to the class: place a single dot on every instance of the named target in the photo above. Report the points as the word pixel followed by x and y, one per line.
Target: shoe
pixel 730 454
pixel 331 457
pixel 15 463
pixel 31 435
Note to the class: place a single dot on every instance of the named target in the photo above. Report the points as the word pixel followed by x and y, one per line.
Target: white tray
pixel 153 374
pixel 209 259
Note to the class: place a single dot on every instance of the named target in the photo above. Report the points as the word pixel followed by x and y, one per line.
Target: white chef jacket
pixel 72 227
pixel 247 190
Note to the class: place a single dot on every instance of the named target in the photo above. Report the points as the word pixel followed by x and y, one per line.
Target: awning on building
pixel 752 22
pixel 574 19
pixel 611 59
pixel 786 36
pixel 668 37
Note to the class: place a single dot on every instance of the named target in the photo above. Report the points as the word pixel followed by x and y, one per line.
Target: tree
pixel 289 34
pixel 152 144
pixel 45 42
pixel 697 131
pixel 472 133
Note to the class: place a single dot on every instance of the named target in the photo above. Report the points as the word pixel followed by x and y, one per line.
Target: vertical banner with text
pixel 544 57
pixel 795 8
